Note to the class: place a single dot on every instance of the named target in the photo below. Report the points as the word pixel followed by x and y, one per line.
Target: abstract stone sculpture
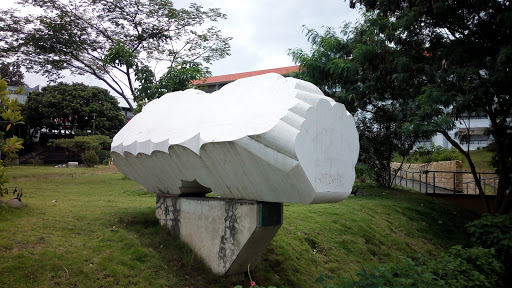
pixel 260 139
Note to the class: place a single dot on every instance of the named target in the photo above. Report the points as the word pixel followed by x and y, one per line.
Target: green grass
pixel 481 159
pixel 102 232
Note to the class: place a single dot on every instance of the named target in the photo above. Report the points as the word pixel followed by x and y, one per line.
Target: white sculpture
pixel 265 138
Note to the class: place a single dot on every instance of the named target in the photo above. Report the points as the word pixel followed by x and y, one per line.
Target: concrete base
pixel 227 234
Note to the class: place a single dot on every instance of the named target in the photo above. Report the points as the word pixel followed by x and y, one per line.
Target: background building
pixel 22 98
pixel 214 83
pixel 470 131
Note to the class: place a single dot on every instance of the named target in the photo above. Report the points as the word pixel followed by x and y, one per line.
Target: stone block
pixel 72 164
pixel 15 203
pixel 227 234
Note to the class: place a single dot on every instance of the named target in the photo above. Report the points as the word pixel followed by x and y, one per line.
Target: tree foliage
pixel 175 79
pixel 88 146
pixel 115 41
pixel 495 232
pixel 425 65
pixel 329 52
pixel 80 144
pixel 10 113
pixel 11 73
pixel 360 70
pixel 457 267
pixel 467 44
pixel 74 108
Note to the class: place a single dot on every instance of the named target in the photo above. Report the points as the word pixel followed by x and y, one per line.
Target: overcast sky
pixel 262 31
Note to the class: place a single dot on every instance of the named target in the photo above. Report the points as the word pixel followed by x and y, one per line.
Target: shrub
pixel 81 144
pixel 90 158
pixel 104 155
pixel 86 146
pixel 458 267
pixel 491 147
pixel 363 173
pixel 470 267
pixel 36 161
pixel 494 231
pixel 432 153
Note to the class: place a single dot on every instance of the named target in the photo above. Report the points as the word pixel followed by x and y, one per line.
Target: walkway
pixel 421 186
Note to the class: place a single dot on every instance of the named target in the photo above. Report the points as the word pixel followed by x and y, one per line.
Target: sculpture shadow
pixel 175 255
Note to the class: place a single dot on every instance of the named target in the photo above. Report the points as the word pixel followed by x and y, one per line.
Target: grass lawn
pixel 481 159
pixel 92 227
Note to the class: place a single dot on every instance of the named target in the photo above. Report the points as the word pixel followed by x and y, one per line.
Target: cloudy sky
pixel 262 31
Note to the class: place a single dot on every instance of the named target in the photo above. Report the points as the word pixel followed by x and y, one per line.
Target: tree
pixel 362 71
pixel 74 109
pixel 468 44
pixel 175 79
pixel 11 115
pixel 11 73
pixel 422 65
pixel 115 41
pixel 328 50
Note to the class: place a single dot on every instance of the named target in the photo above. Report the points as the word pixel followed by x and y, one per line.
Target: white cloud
pixel 263 31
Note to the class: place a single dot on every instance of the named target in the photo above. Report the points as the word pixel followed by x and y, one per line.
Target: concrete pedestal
pixel 227 234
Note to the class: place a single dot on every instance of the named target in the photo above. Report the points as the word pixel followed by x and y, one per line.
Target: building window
pixel 473 116
pixel 475 139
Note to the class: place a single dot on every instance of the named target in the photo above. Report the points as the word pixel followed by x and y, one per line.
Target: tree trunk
pixel 502 199
pixel 478 183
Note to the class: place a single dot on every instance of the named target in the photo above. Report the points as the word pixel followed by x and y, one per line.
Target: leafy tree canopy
pixel 88 146
pixel 10 113
pixel 115 41
pixel 469 46
pixel 360 70
pixel 11 73
pixel 422 65
pixel 76 108
pixel 81 144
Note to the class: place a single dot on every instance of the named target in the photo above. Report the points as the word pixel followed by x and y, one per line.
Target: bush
pixel 470 267
pixel 363 173
pixel 90 158
pixel 81 144
pixel 36 161
pixel 432 153
pixel 494 231
pixel 458 267
pixel 86 146
pixel 104 155
pixel 491 147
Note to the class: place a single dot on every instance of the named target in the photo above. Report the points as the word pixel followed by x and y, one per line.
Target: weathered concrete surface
pixel 265 138
pixel 227 234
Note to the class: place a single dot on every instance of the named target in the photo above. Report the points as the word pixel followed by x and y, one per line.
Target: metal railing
pixel 485 185
pixel 436 181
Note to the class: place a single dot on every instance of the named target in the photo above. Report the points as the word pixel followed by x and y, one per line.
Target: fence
pixel 438 181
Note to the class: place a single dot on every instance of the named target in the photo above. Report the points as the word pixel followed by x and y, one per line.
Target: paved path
pixel 415 184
